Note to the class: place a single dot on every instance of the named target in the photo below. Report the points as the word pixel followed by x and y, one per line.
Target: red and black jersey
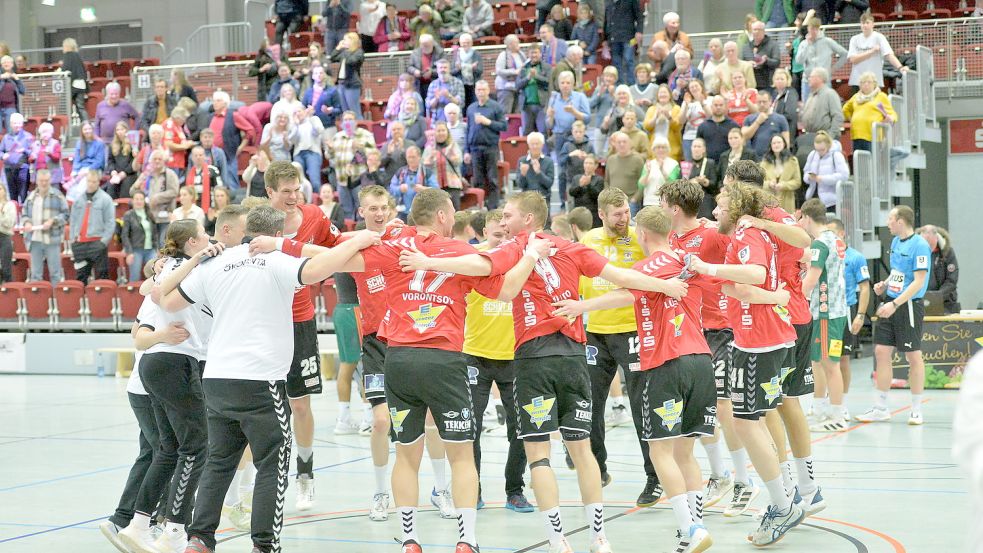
pixel 315 228
pixel 371 286
pixel 710 246
pixel 789 268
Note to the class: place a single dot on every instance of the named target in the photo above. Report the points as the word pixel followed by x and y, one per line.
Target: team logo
pixel 772 388
pixel 744 255
pixel 785 371
pixel 451 415
pixel 671 413
pixel 583 404
pixel 472 375
pixel 426 316
pixel 376 284
pixel 835 348
pixel 398 417
pixel 677 324
pixel 921 261
pixel 539 410
pixel 865 273
pixel 375 382
pixel 628 257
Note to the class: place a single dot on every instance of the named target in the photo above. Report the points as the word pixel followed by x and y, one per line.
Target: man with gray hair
pixel 733 64
pixel 672 34
pixel 112 110
pixel 535 169
pixel 823 111
pixel 566 105
pixel 573 62
pixel 764 53
pixel 44 217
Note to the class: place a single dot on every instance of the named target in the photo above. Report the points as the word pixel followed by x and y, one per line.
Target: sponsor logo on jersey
pixel 398 417
pixel 472 375
pixel 583 404
pixel 539 410
pixel 677 324
pixel 783 314
pixel 921 261
pixel 582 415
pixel 426 316
pixel 451 415
pixel 864 272
pixel 772 388
pixel 695 242
pixel 671 413
pixel 744 255
pixel 376 284
pixel 785 371
pixel 375 382
pixel 457 425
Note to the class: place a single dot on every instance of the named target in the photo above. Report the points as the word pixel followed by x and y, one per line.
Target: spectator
pixel 215 156
pixel 574 152
pixel 782 177
pixel 443 158
pixel 848 12
pixel 112 110
pixel 330 208
pixel 639 140
pixel 315 58
pixel 222 198
pixel 176 142
pixel 161 185
pixel 191 126
pixel 612 121
pixel 508 66
pixel 643 91
pixel 349 57
pixel 799 35
pixel 445 89
pixel 543 8
pixel 15 152
pixel 46 154
pixel 180 88
pixel 72 62
pixel 624 167
pixel 229 122
pixel 155 142
pixel 11 89
pixel 601 103
pixel 44 216
pixel 585 33
pixel 414 123
pixel 374 174
pixel 684 73
pixel 486 120
pixel 868 51
pixel 745 36
pixel 90 154
pixel 394 151
pixel 944 274
pixel 712 58
pixel 336 18
pixel 536 171
pixel 785 101
pixel 204 178
pixel 824 169
pixel 658 171
pixel 691 114
pixel 307 145
pixel 672 35
pixel 452 18
pixel 663 120
pixel 821 112
pixel 775 13
pixel 187 207
pixel 703 170
pixel 456 126
pixel 404 90
pixel 253 176
pixel 868 106
pixel 423 63
pixel 426 22
pixel 478 19
pixel 92 223
pixel 370 14
pixel 139 236
pixel 392 34
pixel 119 164
pixel 624 21
pixel 562 27
pixel 733 65
pixel 8 218
pixel 554 49
pixel 760 127
pixel 714 130
pixel 409 180
pixel 157 107
pixel 279 137
pixel 586 187
pixel 324 99
pixel 817 51
pixel 264 67
pixel 741 100
pixel 662 61
pixel 288 102
pixel 764 54
pixel 824 9
pixel 737 151
pixel 565 107
pixel 467 65
pixel 289 15
pixel 572 62
pixel 347 152
pixel 284 78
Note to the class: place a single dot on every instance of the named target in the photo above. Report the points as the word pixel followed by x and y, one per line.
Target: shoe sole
pixel 378 518
pixel 860 419
pixel 815 509
pixel 723 494
pixel 704 545
pixel 911 423
pixel 529 509
pixel 780 538
pixel 136 547
pixel 113 539
pixel 647 505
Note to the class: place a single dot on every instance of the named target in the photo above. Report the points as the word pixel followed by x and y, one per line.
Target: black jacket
pixel 72 62
pixel 788 105
pixel 723 162
pixel 586 196
pixel 622 19
pixel 264 80
pixel 944 276
pixel 132 234
pixel 353 67
pixel 710 191
pixel 150 109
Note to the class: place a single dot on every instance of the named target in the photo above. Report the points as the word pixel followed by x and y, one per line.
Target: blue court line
pixel 60 478
pixel 55 529
pixel 388 543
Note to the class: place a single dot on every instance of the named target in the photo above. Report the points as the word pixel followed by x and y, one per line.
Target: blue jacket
pixel 274 94
pixel 404 176
pixel 329 98
pixel 102 217
pixel 94 158
pixel 587 34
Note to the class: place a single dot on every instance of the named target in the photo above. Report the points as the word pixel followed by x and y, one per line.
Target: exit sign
pixel 966 136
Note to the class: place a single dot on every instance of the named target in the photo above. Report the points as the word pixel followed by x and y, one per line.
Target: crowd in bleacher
pixel 579 104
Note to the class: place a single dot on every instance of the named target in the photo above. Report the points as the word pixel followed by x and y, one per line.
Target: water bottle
pixel 368 94
pixel 930 5
pixel 963 5
pixel 898 8
pixel 100 365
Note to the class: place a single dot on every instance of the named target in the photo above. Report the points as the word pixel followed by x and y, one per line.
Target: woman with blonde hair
pixel 119 163
pixel 349 56
pixel 658 171
pixel 623 103
pixel 72 62
pixel 443 158
pixel 824 169
pixel 187 207
pixel 663 120
pixel 781 173
pixel 180 87
pixel 868 106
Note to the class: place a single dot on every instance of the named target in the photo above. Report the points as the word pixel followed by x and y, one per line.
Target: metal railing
pixel 148 49
pixel 48 95
pixel 213 39
pixel 882 135
pixel 860 216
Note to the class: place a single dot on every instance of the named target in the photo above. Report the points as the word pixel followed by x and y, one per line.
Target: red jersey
pixel 710 246
pixel 555 278
pixel 425 308
pixel 758 327
pixel 667 328
pixel 315 228
pixel 789 268
pixel 371 286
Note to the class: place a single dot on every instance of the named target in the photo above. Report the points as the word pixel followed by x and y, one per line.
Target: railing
pixel 210 40
pixel 880 154
pixel 858 207
pixel 47 95
pixel 148 49
pixel 258 23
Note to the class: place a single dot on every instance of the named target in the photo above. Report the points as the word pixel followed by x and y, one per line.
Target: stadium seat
pixel 38 305
pixel 488 41
pixel 129 301
pixel 18 240
pixel 513 149
pixel 514 126
pixel 473 197
pixel 68 267
pixel 904 15
pixel 504 168
pixel 100 305
pixel 20 267
pixel 938 13
pixel 504 28
pixel 117 262
pixel 123 205
pixel 11 306
pixel 503 11
pixel 69 301
pixel 525 10
pixel 92 100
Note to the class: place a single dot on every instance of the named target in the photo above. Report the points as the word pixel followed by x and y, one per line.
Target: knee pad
pixel 539 463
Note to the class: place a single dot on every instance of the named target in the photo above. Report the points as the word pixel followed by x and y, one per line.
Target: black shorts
pixel 373 369
pixel 553 394
pixel 797 378
pixel 719 341
pixel 610 351
pixel 304 377
pixel 903 330
pixel 681 394
pixel 756 381
pixel 418 379
pixel 850 340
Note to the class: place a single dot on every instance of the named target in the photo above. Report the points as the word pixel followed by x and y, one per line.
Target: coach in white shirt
pixel 250 351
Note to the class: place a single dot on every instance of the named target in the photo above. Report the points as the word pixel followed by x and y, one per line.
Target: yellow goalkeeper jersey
pixel 488 329
pixel 621 252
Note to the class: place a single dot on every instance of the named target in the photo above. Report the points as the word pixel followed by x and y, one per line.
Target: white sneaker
pixel 442 500
pixel 699 540
pixel 562 547
pixel 744 494
pixel 829 425
pixel 717 488
pixel 617 417
pixel 365 428
pixel 137 540
pixel 600 545
pixel 846 413
pixel 305 493
pixel 345 427
pixel 874 414
pixel 171 541
pixel 916 419
pixel 111 531
pixel 240 515
pixel 380 507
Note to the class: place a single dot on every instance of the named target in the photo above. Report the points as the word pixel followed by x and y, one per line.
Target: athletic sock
pixel 344 411
pixel 715 455
pixel 248 480
pixel 787 481
pixel 880 400
pixel 836 412
pixel 618 401
pixel 554 525
pixel 496 401
pixel 305 460
pixel 595 520
pixel 439 473
pixel 807 478
pixel 695 500
pixel 684 517
pixel 740 466
pixel 822 407
pixel 844 398
pixel 407 517
pixel 916 404
pixel 232 495
pixel 465 525
pixel 776 490
pixel 140 520
pixel 381 480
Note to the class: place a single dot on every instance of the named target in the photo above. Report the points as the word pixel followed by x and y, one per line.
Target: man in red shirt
pixel 763 334
pixel 552 382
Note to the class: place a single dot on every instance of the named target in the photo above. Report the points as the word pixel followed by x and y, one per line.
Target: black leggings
pixel 143 410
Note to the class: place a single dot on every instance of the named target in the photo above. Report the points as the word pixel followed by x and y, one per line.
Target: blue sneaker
pixel 814 502
pixel 775 524
pixel 519 504
pixel 481 503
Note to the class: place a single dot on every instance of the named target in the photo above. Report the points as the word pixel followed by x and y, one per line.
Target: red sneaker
pixel 465 548
pixel 410 546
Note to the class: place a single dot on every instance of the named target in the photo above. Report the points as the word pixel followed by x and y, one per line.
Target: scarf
pixel 860 98
pixel 206 184
pixel 407 119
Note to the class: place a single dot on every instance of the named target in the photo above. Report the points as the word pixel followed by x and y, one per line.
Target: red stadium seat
pixel 11 308
pixel 503 176
pixel 129 301
pixel 68 267
pixel 38 304
pixel 123 205
pixel 937 13
pixel 100 303
pixel 505 28
pixel 117 262
pixel 513 149
pixel 18 240
pixel 69 297
pixel 525 10
pixel 514 128
pixel 473 197
pixel 488 41
pixel 22 263
pixel 503 11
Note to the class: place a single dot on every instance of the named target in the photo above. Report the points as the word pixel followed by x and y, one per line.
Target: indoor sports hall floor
pixel 66 444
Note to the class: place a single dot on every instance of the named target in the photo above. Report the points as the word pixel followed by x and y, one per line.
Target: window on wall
pixel 105 33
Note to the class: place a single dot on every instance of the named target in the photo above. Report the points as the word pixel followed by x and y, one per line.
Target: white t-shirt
pixel 197 321
pixel 368 18
pixel 251 297
pixel 860 44
pixel 145 317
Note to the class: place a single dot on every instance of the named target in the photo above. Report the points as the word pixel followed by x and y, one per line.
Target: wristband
pixel 279 244
pixel 894 305
pixel 712 270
